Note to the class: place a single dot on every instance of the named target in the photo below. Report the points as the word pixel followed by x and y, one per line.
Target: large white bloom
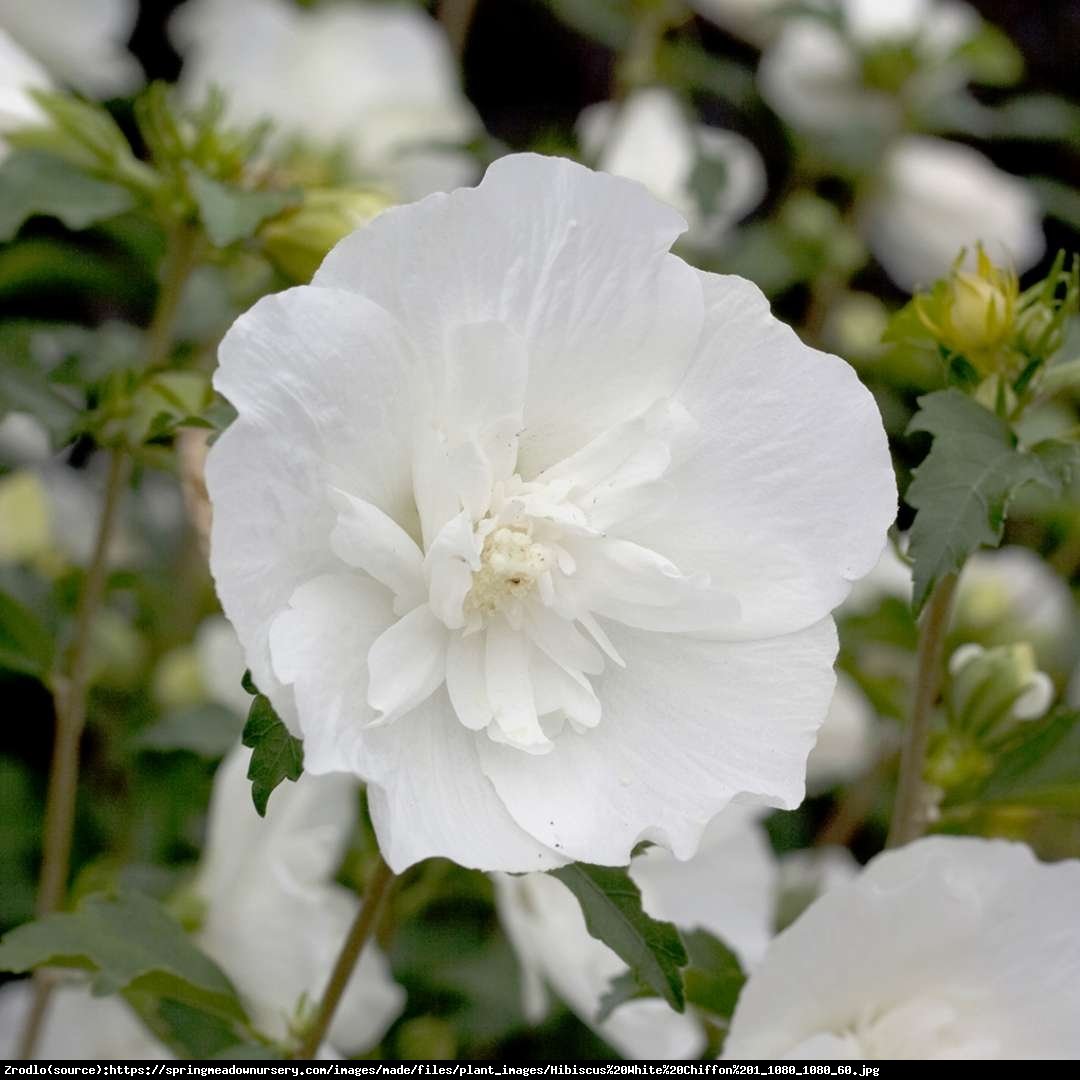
pixel 77 1026
pixel 938 197
pixel 377 80
pixel 728 888
pixel 537 528
pixel 848 740
pixel 274 918
pixel 651 138
pixel 813 73
pixel 947 948
pixel 81 42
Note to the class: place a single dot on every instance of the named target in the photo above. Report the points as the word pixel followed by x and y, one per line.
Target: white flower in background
pixel 77 1026
pixel 377 80
pixel 652 138
pixel 754 20
pixel 847 742
pixel 19 74
pixel 274 917
pixel 937 197
pixel 536 528
pixel 80 42
pixel 728 888
pixel 221 664
pixel 818 74
pixel 984 682
pixel 947 948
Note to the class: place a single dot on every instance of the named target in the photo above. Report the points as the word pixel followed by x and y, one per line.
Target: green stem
pixel 909 811
pixel 181 257
pixel 366 920
pixel 70 707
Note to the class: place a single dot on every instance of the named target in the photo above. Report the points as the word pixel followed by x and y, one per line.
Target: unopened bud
pixel 993 689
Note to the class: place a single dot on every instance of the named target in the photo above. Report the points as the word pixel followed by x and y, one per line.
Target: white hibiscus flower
pixel 273 917
pixel 819 73
pixel 651 138
pixel 948 948
pixel 81 42
pixel 937 198
pixel 77 1026
pixel 377 80
pixel 536 528
pixel 728 888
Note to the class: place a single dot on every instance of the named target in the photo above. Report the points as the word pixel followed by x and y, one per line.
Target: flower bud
pixel 992 689
pixel 297 243
pixel 25 528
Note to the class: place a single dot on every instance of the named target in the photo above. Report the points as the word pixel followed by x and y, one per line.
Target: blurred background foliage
pixel 76 294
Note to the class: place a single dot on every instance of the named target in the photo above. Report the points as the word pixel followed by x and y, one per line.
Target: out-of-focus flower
pixel 273 917
pixel 937 198
pixel 501 531
pixel 727 888
pixel 712 177
pixel 221 664
pixel 19 74
pixel 992 686
pixel 81 42
pixel 806 874
pixel 948 948
pixel 77 1026
pixel 754 20
pixel 847 741
pixel 857 64
pixel 377 81
pixel 25 526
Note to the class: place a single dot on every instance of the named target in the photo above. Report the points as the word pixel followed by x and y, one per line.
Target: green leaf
pixel 963 488
pixel 1061 463
pixel 611 904
pixel 26 646
pixel 276 755
pixel 621 989
pixel 610 22
pixel 715 977
pixel 229 213
pixel 1043 769
pixel 991 57
pixel 127 942
pixel 36 183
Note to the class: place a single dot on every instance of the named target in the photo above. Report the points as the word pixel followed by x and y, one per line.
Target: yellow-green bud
pixel 25 530
pixel 178 680
pixel 297 243
pixel 992 689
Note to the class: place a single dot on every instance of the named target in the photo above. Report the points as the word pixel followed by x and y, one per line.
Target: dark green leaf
pixel 621 989
pixel 127 942
pixel 36 183
pixel 276 755
pixel 1043 769
pixel 26 646
pixel 611 904
pixel 610 22
pixel 963 488
pixel 229 213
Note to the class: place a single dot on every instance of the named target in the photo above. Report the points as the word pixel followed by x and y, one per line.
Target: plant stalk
pixel 367 919
pixel 909 811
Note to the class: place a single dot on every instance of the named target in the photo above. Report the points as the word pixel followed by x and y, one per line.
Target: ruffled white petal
pixel 687 726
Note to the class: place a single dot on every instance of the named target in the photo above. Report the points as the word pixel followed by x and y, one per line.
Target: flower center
pixel 510 563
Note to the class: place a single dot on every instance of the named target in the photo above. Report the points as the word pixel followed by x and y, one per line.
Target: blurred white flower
pixel 947 948
pixel 81 42
pixel 376 80
pixel 712 177
pixel 819 75
pixel 847 741
pixel 754 20
pixel 727 888
pixel 938 197
pixel 510 530
pixel 986 682
pixel 77 1026
pixel 19 74
pixel 274 917
pixel 221 664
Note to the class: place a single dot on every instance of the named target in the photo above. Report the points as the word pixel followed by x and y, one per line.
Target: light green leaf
pixel 127 942
pixel 621 989
pixel 991 57
pixel 276 755
pixel 26 646
pixel 611 904
pixel 36 183
pixel 715 977
pixel 963 488
pixel 610 22
pixel 1043 770
pixel 1061 463
pixel 229 213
